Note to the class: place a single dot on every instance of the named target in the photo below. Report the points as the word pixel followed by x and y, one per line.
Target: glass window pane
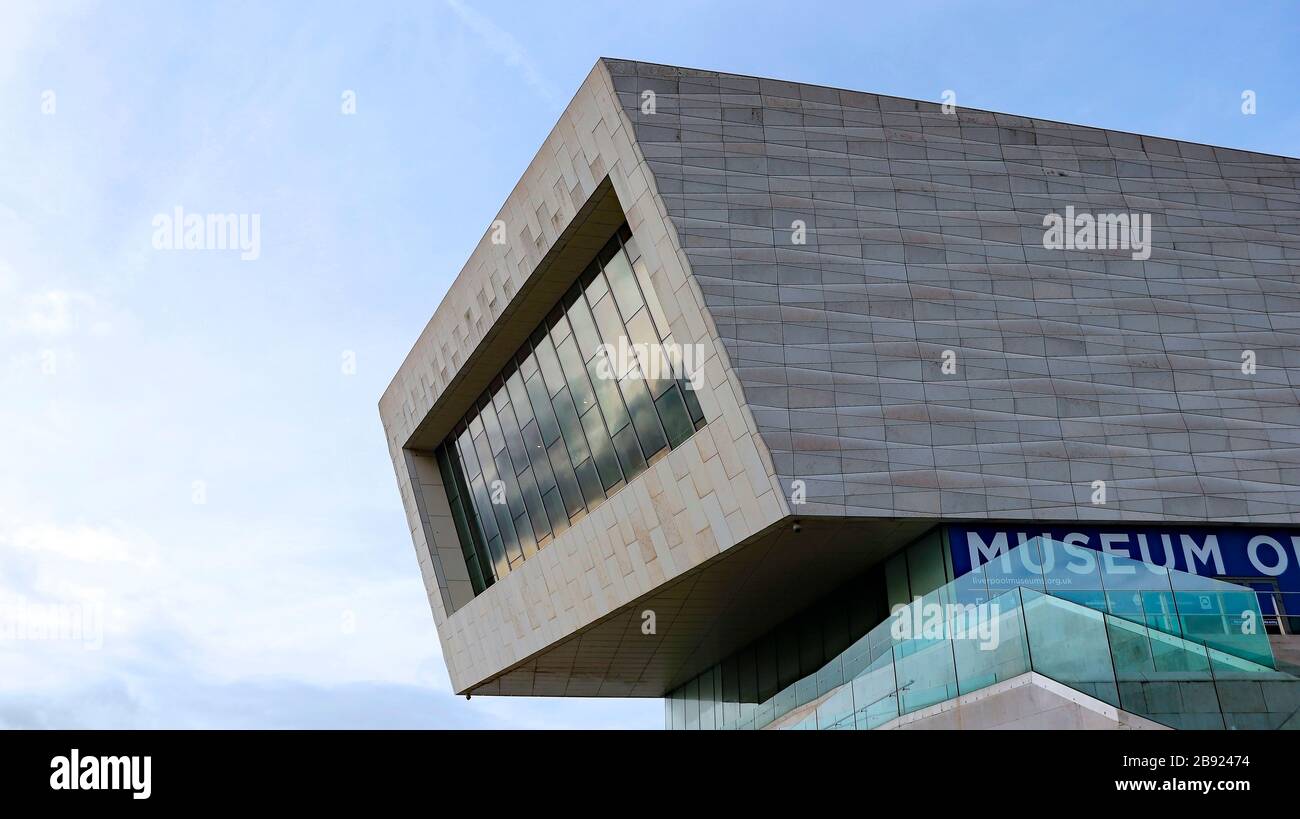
pixel 611 326
pixel 519 397
pixel 527 362
pixel 485 458
pixel 444 470
pixel 509 538
pixel 555 511
pixel 505 473
pixel 623 282
pixel 461 522
pixel 579 385
pixel 925 564
pixel 533 503
pixel 584 329
pixel 652 362
pixel 589 480
pixel 630 246
pixel 499 394
pixel 765 657
pixel 500 565
pixel 527 540
pixel 607 394
pixel 558 325
pixel 629 453
pixel 565 478
pixel 483 507
pixel 550 366
pixel 896 581
pixel 672 411
pixel 514 439
pixel 571 427
pixel 652 300
pixel 547 423
pixel 493 429
pixel 692 403
pixel 691 693
pixel 467 457
pixel 593 284
pixel 602 449
pixel 644 416
pixel 537 456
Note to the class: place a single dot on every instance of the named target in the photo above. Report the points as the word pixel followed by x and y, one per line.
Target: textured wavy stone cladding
pixel 924 233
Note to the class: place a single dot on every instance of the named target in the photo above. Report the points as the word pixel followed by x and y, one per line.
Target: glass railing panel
pixel 971 588
pixel 830 676
pixel 1120 573
pixel 1126 603
pixel 1130 649
pixel 784 702
pixel 1161 611
pixel 836 713
pixel 1068 570
pixel 1068 643
pixel 857 657
pixel 990 645
pixel 879 639
pixel 1119 642
pixel 1019 567
pixel 1163 677
pixel 1287 608
pixel 805 690
pixel 1206 610
pixel 1225 664
pixel 1089 598
pixel 1227 618
pixel 875 694
pixel 926 673
pixel 1174 655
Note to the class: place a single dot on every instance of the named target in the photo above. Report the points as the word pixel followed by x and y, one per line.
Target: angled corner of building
pixel 881 370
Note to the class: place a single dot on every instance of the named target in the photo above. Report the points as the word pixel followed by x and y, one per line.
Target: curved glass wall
pixel 598 392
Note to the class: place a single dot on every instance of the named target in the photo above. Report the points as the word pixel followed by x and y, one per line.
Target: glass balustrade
pixel 1181 650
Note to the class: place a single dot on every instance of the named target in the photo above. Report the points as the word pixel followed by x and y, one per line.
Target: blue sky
pixel 136 381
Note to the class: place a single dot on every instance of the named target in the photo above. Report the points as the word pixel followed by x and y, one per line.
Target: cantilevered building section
pixel 879 344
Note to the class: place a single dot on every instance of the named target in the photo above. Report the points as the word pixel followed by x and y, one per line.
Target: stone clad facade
pixel 830 250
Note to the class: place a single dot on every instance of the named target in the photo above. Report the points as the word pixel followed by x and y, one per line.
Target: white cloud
pixel 291 597
pixel 78 542
pixel 504 45
pixel 51 314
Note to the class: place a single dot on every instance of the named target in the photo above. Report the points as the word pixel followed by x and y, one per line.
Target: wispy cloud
pixel 504 45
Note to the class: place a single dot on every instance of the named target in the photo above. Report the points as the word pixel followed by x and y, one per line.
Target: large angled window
pixel 597 393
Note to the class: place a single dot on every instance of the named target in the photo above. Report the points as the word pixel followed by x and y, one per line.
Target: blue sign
pixel 1271 555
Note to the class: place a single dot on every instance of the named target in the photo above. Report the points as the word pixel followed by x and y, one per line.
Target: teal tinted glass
pixel 960 639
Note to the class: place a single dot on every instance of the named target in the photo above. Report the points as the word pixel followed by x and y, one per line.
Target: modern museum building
pixel 800 407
